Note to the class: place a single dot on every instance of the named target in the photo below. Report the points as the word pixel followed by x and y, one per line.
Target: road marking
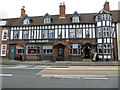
pixel 75 76
pixel 7 75
pixel 96 78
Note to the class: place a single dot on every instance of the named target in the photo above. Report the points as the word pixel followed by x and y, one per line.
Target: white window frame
pixel 25 34
pixel 3 34
pixel 15 34
pixel 78 33
pixel 33 47
pixel 75 19
pixel 51 33
pixel 26 21
pixel 72 48
pixel 4 45
pixel 72 34
pixel 47 48
pixel 22 48
pixel 47 20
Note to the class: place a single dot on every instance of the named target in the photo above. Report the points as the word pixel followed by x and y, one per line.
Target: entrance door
pixel 12 52
pixel 60 52
pixel 87 53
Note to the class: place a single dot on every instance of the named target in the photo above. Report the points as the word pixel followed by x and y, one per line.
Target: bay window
pixel 33 49
pixel 47 49
pixel 20 49
pixel 74 49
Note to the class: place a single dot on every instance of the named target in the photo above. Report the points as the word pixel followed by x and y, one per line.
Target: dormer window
pixel 75 17
pixel 26 19
pixel 47 18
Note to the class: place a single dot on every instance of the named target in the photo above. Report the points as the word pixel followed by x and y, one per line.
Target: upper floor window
pixel 25 34
pixel 99 32
pixel 78 33
pixel 4 34
pixel 47 20
pixel 51 33
pixel 44 34
pixel 72 33
pixel 75 19
pixel 16 34
pixel 106 32
pixel 26 21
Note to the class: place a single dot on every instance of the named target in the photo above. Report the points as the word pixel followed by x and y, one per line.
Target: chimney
pixel 106 6
pixel 62 10
pixel 23 11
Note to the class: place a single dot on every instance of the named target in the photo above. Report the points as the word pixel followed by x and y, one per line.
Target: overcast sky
pixel 12 8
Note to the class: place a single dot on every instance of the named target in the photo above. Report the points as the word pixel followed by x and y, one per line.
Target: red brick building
pixel 64 36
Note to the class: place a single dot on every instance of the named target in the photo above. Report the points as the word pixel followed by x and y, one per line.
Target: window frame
pixel 72 49
pixel 33 47
pixel 5 51
pixel 47 49
pixel 3 34
pixel 20 47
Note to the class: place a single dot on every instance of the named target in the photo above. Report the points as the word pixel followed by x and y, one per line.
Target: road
pixel 26 77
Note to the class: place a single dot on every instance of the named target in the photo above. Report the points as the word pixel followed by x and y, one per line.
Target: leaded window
pixel 44 34
pixel 16 34
pixel 99 32
pixel 47 20
pixel 25 34
pixel 78 33
pixel 51 33
pixel 74 49
pixel 72 33
pixel 26 21
pixel 75 19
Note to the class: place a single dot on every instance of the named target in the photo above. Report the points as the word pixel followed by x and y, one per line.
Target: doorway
pixel 87 53
pixel 60 51
pixel 12 52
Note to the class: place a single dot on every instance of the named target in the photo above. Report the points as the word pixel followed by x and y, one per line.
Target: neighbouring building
pixel 64 36
pixel 4 39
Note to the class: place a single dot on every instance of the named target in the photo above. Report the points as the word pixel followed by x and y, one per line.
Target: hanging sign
pixel 75 45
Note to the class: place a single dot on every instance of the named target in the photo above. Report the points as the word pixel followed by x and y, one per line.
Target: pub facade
pixel 64 36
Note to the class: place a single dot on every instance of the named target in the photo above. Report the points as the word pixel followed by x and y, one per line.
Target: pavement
pixel 6 61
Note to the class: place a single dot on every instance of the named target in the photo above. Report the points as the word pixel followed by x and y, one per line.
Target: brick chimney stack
pixel 62 10
pixel 23 11
pixel 106 6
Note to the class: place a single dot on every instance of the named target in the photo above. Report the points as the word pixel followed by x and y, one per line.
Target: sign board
pixel 75 45
pixel 39 41
pixel 94 57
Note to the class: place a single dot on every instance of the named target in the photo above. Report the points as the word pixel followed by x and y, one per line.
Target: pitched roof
pixel 38 20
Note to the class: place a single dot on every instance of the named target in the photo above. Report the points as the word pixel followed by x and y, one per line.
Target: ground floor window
pixel 3 50
pixel 47 49
pixel 33 49
pixel 20 49
pixel 74 49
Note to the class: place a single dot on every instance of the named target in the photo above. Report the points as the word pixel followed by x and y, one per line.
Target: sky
pixel 12 8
